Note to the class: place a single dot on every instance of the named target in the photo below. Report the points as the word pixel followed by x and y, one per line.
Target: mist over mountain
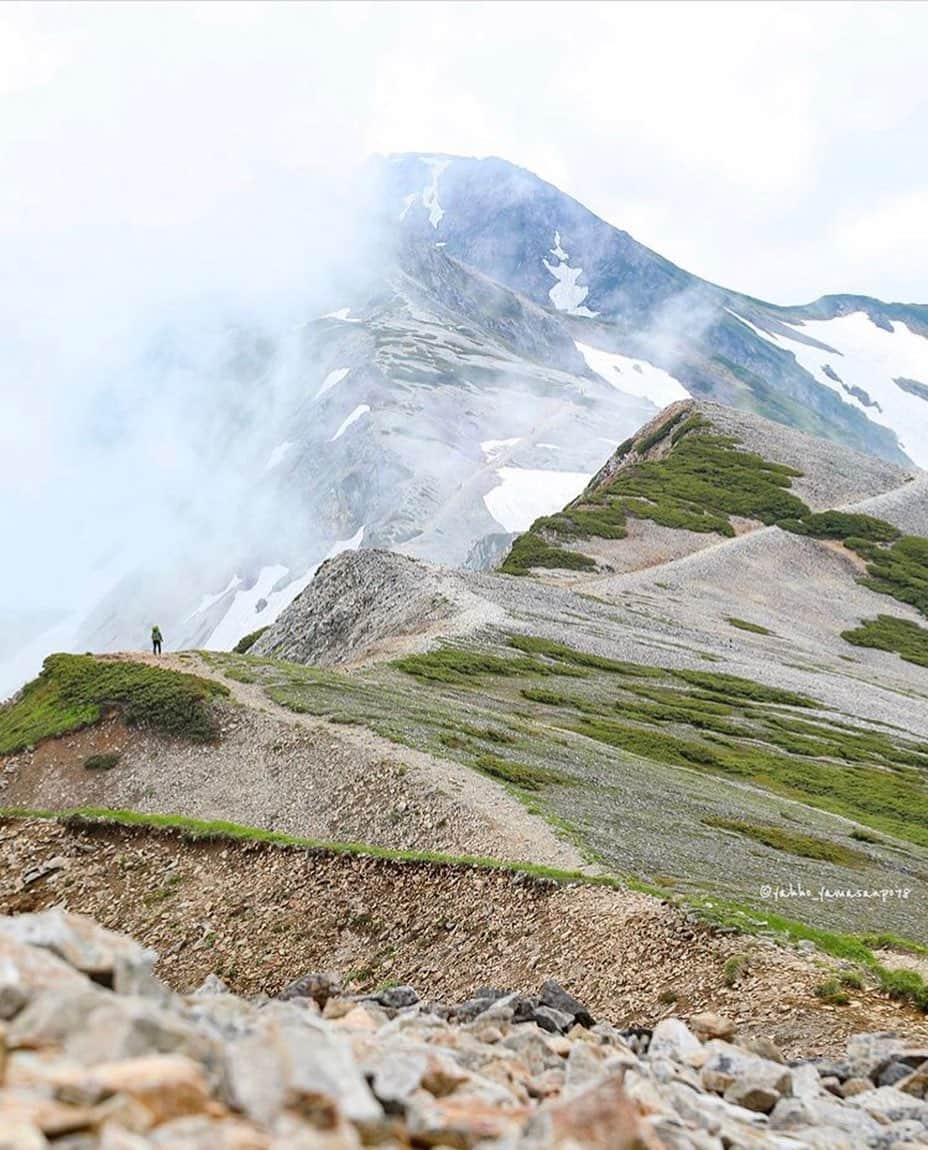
pixel 451 358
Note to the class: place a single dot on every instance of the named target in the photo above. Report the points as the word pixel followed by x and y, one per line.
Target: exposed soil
pixel 262 915
pixel 283 771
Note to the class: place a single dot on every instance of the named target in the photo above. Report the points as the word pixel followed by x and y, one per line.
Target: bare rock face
pixel 361 603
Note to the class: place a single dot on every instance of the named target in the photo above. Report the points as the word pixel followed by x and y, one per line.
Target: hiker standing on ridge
pixel 156 640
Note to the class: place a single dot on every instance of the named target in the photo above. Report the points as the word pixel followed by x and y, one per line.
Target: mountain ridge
pixel 453 390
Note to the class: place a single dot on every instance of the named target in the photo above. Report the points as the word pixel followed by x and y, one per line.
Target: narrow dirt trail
pixel 522 836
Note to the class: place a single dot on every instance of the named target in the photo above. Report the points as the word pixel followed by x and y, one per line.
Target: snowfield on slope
pixel 343 314
pixel 633 376
pixel 208 600
pixel 567 294
pixel 867 361
pixel 430 193
pixel 333 378
pixel 246 614
pixel 361 410
pixel 524 494
pixel 491 447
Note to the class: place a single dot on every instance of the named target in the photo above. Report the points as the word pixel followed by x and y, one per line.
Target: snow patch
pixel 567 294
pixel 208 600
pixel 333 378
pixel 549 446
pixel 557 251
pixel 491 447
pixel 343 314
pixel 768 335
pixel 361 409
pixel 524 494
pixel 245 615
pixel 866 360
pixel 408 202
pixel 633 376
pixel 278 455
pixel 430 192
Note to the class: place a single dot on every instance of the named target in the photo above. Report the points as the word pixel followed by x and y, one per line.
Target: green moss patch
pixel 702 481
pixel 832 992
pixel 900 570
pixel 75 691
pixel 888 633
pixel 729 687
pixel 561 653
pixel 792 842
pixel 248 641
pixel 697 486
pixel 200 830
pixel 531 550
pixel 529 778
pixel 701 720
pixel 746 625
pixel 892 800
pixel 843 525
pixel 460 665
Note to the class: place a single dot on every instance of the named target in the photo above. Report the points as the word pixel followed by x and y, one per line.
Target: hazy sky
pixel 152 154
pixel 776 148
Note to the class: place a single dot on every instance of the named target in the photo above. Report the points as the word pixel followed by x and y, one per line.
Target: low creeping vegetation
pixel 901 985
pixel 888 633
pixel 248 641
pixel 522 775
pixel 459 665
pixel 75 691
pixel 530 551
pixel 706 721
pixel 745 625
pixel 832 992
pixel 900 570
pixel 782 839
pixel 544 718
pixel 696 486
pixel 216 830
pixel 704 480
pixel 104 762
pixel 735 968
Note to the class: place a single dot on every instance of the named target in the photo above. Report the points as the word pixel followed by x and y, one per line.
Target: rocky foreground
pixel 95 1052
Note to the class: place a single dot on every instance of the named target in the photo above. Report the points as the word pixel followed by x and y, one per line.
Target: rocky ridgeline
pixel 95 1052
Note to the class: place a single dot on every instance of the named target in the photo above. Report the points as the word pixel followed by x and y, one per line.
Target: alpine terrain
pixel 473 368
pixel 539 753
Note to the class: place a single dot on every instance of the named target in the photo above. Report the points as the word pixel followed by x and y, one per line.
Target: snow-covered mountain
pixel 845 367
pixel 474 373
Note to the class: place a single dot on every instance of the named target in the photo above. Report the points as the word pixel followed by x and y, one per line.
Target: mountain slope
pixel 848 367
pixel 393 423
pixel 716 672
pixel 469 373
pixel 695 474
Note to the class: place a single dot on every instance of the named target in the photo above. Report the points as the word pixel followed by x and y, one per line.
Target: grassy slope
pixel 544 718
pixel 888 633
pixel 75 691
pixel 697 485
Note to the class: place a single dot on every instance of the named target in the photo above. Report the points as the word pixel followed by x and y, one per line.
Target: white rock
pixel 673 1039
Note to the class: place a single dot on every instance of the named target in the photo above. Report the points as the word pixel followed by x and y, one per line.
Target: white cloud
pixel 153 156
pixel 885 235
